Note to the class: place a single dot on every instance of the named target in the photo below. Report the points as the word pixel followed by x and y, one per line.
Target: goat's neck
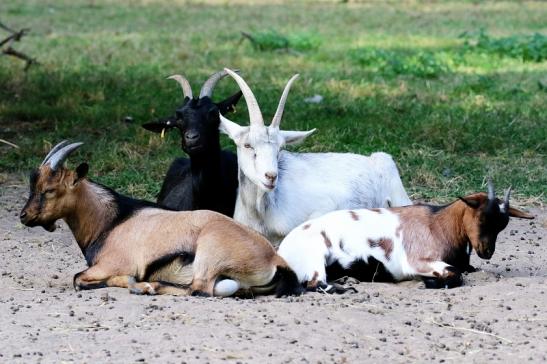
pixel 252 197
pixel 93 212
pixel 450 227
pixel 205 168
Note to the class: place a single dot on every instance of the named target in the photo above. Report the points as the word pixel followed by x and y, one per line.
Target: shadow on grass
pixel 446 133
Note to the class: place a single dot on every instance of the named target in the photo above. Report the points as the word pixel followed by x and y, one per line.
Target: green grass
pixel 395 76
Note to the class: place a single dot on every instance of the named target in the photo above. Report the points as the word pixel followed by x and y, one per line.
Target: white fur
pixel 306 252
pixel 306 185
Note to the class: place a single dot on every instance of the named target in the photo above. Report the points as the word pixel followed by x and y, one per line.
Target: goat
pixel 432 242
pixel 208 179
pixel 136 244
pixel 278 190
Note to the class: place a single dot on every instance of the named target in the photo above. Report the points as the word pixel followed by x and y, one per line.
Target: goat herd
pixel 329 214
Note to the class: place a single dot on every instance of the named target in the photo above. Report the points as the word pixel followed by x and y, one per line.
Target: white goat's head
pixel 258 146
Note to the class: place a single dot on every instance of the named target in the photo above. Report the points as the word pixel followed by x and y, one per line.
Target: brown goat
pixel 136 244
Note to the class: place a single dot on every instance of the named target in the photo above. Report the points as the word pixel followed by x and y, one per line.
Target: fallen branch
pixel 440 324
pixel 9 143
pixel 15 36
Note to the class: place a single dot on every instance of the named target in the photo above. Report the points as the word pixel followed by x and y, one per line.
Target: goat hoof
pixel 135 290
pixel 200 294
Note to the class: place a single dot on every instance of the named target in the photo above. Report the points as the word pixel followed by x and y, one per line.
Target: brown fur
pixel 385 243
pixel 306 227
pixel 222 247
pixel 354 215
pixel 328 243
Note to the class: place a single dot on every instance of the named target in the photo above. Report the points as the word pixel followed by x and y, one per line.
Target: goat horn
pixel 61 155
pixel 209 85
pixel 491 193
pixel 255 116
pixel 506 199
pixel 279 112
pixel 183 82
pixel 54 150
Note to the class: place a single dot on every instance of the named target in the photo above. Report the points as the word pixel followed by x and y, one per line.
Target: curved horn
pixel 209 85
pixel 183 82
pixel 279 112
pixel 491 193
pixel 61 155
pixel 255 116
pixel 506 200
pixel 54 150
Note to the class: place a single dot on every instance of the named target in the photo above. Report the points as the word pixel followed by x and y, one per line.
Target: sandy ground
pixel 500 314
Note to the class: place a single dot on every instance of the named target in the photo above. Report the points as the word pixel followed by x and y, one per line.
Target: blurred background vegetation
pixel 454 90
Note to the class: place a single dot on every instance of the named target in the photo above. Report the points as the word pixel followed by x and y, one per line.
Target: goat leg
pixel 95 277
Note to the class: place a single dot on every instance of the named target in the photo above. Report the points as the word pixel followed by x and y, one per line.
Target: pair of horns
pixel 492 195
pixel 255 115
pixel 206 89
pixel 59 153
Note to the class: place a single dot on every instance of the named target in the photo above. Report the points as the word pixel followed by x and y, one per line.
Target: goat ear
pixel 81 172
pixel 513 212
pixel 229 105
pixel 294 137
pixel 230 128
pixel 470 202
pixel 157 127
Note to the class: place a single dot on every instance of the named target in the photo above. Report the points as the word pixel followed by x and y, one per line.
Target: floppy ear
pixel 513 212
pixel 229 104
pixel 470 202
pixel 231 129
pixel 81 172
pixel 294 137
pixel 158 127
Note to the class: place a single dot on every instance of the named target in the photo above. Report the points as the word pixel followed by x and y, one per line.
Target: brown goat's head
pixel 52 188
pixel 486 217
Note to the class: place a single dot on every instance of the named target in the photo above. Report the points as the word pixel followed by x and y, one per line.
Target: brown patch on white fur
pixel 312 284
pixel 354 215
pixel 385 243
pixel 376 210
pixel 328 243
pixel 306 227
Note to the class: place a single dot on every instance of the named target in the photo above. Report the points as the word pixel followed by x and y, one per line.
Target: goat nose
pixel 23 214
pixel 191 135
pixel 271 176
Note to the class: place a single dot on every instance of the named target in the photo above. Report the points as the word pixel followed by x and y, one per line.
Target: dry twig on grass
pixel 440 324
pixel 15 36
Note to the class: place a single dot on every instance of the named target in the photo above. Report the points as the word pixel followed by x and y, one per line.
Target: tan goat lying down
pixel 136 244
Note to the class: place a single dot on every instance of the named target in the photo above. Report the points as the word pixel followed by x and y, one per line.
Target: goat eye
pixel 49 191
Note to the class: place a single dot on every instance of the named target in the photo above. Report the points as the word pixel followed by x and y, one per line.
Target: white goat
pixel 278 190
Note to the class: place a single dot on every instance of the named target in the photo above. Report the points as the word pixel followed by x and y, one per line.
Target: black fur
pixel 371 271
pixel 165 260
pixel 208 179
pixel 125 208
pixel 452 281
pixel 288 284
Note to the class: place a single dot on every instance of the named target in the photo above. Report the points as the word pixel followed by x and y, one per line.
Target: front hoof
pixel 200 294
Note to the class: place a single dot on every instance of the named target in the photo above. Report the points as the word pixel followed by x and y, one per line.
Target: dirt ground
pixel 500 314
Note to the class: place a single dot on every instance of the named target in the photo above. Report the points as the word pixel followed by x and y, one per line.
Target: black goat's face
pixel 486 217
pixel 198 122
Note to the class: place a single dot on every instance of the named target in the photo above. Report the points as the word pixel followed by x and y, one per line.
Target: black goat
pixel 208 179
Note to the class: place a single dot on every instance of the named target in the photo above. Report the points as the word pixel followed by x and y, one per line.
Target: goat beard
pixel 50 226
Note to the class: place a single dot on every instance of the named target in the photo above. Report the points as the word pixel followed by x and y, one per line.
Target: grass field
pixel 395 76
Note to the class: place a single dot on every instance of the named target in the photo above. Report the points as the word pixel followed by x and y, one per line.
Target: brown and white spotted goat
pixel 432 242
pixel 136 244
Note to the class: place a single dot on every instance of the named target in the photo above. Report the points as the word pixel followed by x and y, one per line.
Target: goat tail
pixel 288 283
pixel 397 195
